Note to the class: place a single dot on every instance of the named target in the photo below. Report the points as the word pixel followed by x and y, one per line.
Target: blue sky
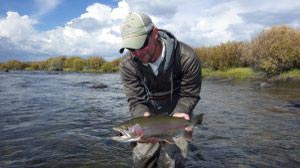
pixel 38 29
pixel 57 15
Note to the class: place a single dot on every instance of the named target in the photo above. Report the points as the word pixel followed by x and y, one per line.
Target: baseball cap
pixel 134 30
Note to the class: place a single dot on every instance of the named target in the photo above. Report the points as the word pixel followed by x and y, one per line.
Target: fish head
pixel 128 133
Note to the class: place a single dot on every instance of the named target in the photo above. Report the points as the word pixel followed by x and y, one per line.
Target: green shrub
pixel 235 73
pixel 295 73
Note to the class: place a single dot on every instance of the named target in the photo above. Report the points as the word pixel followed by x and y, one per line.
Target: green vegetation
pixel 274 52
pixel 295 73
pixel 13 65
pixel 236 73
pixel 277 50
pixel 66 64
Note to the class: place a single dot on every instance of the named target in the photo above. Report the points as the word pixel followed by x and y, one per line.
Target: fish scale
pixel 161 127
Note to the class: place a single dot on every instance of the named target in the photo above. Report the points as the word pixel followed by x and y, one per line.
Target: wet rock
pixel 99 86
pixel 265 84
pixel 295 104
pixel 85 83
pixel 260 85
pixel 292 79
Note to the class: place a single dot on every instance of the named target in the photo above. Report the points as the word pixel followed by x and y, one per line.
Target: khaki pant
pixel 147 155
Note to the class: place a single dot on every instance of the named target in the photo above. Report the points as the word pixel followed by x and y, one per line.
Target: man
pixel 160 76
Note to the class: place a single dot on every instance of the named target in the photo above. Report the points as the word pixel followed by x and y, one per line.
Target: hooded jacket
pixel 176 88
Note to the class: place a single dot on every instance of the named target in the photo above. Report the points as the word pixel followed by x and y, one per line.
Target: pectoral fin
pixel 197 120
pixel 182 144
pixel 188 136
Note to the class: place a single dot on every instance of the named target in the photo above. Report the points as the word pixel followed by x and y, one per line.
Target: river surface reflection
pixel 61 120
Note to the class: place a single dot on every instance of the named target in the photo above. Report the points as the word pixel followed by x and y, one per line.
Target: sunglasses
pixel 144 45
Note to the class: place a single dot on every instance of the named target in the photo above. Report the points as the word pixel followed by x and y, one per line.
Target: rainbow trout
pixel 164 128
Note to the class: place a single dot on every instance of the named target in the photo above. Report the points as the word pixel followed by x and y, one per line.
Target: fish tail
pixel 197 120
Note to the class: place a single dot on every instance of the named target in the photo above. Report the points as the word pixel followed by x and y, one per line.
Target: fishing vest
pixel 167 82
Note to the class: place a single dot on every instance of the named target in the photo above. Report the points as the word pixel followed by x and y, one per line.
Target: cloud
pixel 16 27
pixel 200 23
pixel 271 18
pixel 96 31
pixel 45 6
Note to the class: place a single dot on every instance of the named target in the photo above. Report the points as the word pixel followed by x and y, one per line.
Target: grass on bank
pixel 236 73
pixel 295 73
pixel 246 73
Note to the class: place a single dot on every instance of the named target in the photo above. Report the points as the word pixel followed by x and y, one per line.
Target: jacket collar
pixel 171 44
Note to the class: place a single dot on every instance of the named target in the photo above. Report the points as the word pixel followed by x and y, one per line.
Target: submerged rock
pixel 99 86
pixel 294 103
pixel 265 84
pixel 260 85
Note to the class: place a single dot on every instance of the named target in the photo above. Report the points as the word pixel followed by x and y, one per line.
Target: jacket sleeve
pixel 190 85
pixel 133 89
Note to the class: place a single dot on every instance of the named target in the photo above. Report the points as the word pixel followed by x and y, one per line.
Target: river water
pixel 60 120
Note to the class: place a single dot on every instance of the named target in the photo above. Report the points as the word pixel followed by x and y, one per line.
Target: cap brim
pixel 133 42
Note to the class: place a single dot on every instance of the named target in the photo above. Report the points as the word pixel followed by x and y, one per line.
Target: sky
pixel 34 30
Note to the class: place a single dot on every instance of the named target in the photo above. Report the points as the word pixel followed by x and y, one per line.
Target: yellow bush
pixel 276 50
pixel 109 67
pixel 55 64
pixel 223 56
pixel 15 65
pixel 94 63
pixel 78 64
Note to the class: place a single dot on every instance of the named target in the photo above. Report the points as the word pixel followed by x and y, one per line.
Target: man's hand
pixel 186 117
pixel 147 114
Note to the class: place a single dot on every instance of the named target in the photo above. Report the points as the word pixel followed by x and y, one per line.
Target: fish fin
pixel 169 141
pixel 197 120
pixel 188 136
pixel 181 143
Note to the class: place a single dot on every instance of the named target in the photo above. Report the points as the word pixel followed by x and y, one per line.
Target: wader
pixel 161 154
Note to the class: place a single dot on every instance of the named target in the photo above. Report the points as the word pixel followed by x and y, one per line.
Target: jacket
pixel 176 88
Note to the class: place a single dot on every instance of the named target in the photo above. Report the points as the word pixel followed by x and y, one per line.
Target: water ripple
pixel 58 120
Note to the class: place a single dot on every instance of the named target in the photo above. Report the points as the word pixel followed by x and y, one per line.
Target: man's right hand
pixel 147 114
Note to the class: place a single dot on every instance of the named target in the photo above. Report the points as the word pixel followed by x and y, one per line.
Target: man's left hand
pixel 186 117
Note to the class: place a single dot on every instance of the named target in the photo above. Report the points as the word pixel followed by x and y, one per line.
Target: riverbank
pixel 249 73
pixel 226 75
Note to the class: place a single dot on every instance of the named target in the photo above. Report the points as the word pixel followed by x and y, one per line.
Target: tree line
pixel 273 51
pixel 67 64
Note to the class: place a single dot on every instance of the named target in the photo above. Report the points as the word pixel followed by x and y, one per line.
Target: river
pixel 61 120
